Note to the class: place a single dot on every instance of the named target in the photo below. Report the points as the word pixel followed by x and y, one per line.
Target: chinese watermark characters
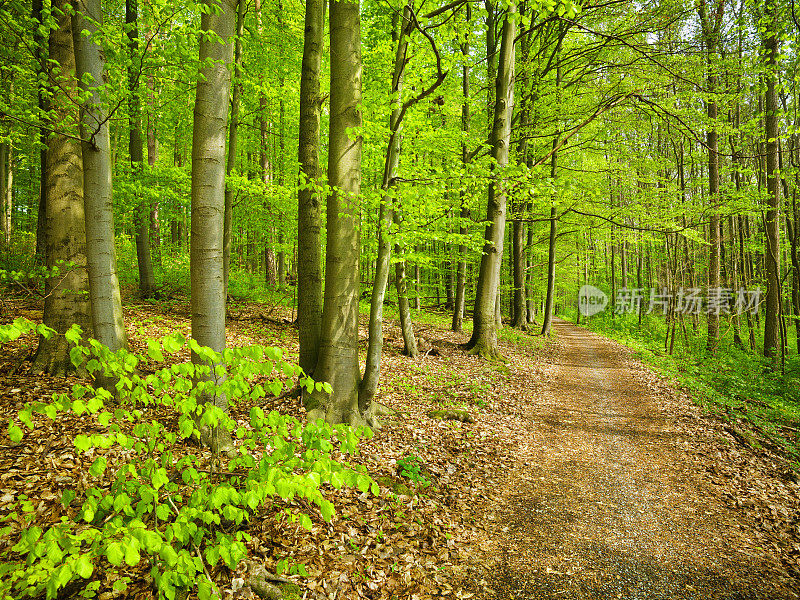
pixel 688 301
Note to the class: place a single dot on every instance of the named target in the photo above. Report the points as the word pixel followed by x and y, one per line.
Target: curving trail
pixel 604 505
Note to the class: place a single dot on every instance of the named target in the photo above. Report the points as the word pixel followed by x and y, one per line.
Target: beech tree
pixel 309 217
pixel 66 295
pixel 484 332
pixel 208 190
pixel 337 362
pixel 101 254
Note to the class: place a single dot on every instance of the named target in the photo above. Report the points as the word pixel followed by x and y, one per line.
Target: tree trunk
pixel 208 193
pixel 772 218
pixel 5 192
pixel 484 333
pixel 711 28
pixel 147 283
pixel 101 254
pixel 461 270
pixel 309 217
pixel 41 54
pixel 372 370
pixel 337 363
pixel 233 142
pixel 547 316
pixel 67 300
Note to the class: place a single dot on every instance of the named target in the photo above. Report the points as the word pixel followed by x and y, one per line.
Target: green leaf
pixel 84 567
pixel 67 496
pixel 168 555
pixel 121 501
pixel 326 508
pixel 14 433
pixel 115 554
pixel 154 350
pixel 132 556
pixel 204 590
pixel 98 466
pixel 305 521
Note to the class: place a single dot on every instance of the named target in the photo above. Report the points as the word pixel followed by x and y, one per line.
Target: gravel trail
pixel 603 503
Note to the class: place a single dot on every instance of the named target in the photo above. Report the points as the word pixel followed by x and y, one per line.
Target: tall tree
pixel 484 333
pixel 337 361
pixel 101 253
pixel 772 251
pixel 461 269
pixel 400 107
pixel 547 314
pixel 711 24
pixel 147 281
pixel 67 300
pixel 309 216
pixel 208 189
pixel 233 142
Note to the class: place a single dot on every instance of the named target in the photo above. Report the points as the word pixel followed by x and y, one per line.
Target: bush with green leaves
pixel 151 496
pixel 411 468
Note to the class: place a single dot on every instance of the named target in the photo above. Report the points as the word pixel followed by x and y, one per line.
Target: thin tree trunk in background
pixel 484 333
pixel 417 301
pixel 152 156
pixel 101 254
pixel 369 384
pixel 772 218
pixel 547 316
pixel 337 363
pixel 401 284
pixel 5 192
pixel 233 142
pixel 309 217
pixel 208 194
pixel 147 281
pixel 623 262
pixel 43 102
pixel 67 301
pixel 270 270
pixel 281 263
pixel 711 25
pixel 518 255
pixel 461 270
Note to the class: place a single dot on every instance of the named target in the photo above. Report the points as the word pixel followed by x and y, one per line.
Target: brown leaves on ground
pixel 412 541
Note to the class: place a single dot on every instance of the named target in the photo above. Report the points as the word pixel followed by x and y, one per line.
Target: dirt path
pixel 606 504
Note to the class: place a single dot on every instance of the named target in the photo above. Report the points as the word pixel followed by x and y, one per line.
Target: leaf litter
pixel 412 541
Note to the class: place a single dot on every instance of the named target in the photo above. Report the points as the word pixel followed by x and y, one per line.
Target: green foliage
pixel 147 497
pixel 411 468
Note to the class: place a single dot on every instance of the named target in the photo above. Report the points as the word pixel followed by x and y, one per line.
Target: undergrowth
pixel 151 501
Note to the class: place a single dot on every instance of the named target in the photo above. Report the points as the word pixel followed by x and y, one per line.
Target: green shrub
pixel 159 503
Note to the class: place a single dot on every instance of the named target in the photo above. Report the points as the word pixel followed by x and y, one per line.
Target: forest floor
pixel 624 489
pixel 583 475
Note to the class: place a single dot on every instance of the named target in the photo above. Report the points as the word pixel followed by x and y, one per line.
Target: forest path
pixel 606 502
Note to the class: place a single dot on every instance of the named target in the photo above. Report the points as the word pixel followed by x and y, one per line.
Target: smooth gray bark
pixel 101 253
pixel 233 143
pixel 309 217
pixel 208 192
pixel 67 300
pixel 372 370
pixel 337 362
pixel 484 333
pixel 147 282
